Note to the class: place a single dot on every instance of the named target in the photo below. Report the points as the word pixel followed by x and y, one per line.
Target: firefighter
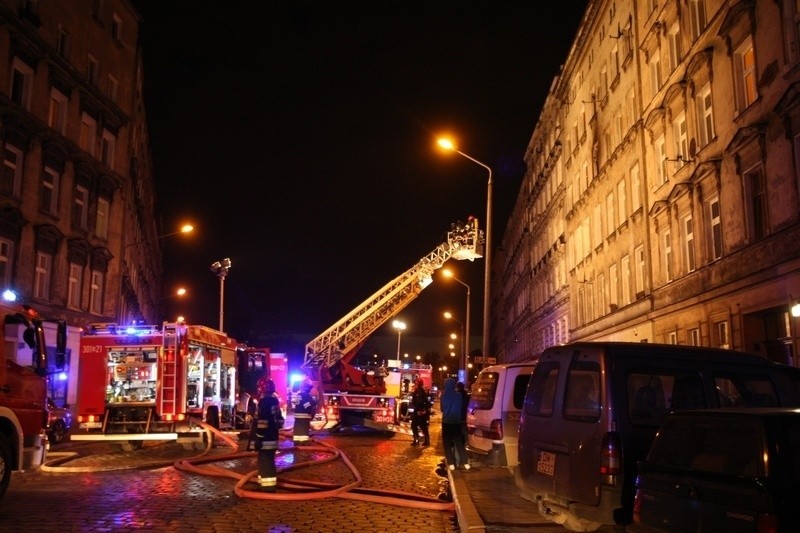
pixel 422 413
pixel 269 421
pixel 303 413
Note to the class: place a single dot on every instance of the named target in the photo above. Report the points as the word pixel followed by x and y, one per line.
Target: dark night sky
pixel 299 137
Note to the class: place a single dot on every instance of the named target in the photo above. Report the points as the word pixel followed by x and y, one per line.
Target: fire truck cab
pixel 145 382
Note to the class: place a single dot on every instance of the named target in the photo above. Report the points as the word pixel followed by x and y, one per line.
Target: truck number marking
pixel 546 463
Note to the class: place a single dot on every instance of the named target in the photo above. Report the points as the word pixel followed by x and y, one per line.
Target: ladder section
pixel 168 371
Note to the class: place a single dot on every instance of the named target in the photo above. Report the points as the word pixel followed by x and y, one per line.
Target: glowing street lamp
pixel 447 144
pixel 186 228
pixel 399 326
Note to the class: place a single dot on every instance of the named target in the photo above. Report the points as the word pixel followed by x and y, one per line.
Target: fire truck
pixel 24 366
pixel 147 382
pixel 374 396
pixel 253 364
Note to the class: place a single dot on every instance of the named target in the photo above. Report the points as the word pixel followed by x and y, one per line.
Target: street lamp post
pixel 186 228
pixel 487 256
pixel 220 268
pixel 449 273
pixel 399 326
pixel 449 316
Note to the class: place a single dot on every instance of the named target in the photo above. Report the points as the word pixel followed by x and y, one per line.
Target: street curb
pixel 469 519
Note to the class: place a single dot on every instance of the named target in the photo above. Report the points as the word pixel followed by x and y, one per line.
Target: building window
pixel 625 264
pixel 88 134
pixel 723 335
pixel 656 78
pixel 622 201
pixel 12 171
pixel 74 286
pixel 59 105
pixel 697 17
pixel 694 337
pixel 672 337
pixel 107 147
pixel 666 255
pixel 21 83
pixel 64 39
pixel 48 196
pixel 612 223
pixel 116 28
pixel 688 243
pixel 681 139
pixel 660 155
pixel 602 305
pixel 101 223
pixel 714 228
pixel 113 88
pixel 613 287
pixel 80 207
pixel 41 282
pixel 96 292
pixel 638 256
pixel 675 52
pixel 756 197
pixel 92 69
pixel 705 115
pixel 636 188
pixel 744 69
pixel 5 262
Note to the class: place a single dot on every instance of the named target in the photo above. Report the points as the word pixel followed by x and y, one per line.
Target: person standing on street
pixel 421 403
pixel 454 450
pixel 464 405
pixel 303 413
pixel 268 422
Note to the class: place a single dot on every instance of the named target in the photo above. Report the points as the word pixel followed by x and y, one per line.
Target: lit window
pixel 96 292
pixel 88 134
pixel 74 286
pixel 745 72
pixel 101 223
pixel 41 283
pixel 57 118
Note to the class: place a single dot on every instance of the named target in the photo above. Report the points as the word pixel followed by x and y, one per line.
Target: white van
pixel 493 413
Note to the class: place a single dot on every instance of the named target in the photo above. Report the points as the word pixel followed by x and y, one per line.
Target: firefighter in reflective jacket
pixel 303 413
pixel 269 421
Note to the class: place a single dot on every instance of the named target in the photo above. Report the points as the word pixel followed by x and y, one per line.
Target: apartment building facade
pixel 661 201
pixel 78 233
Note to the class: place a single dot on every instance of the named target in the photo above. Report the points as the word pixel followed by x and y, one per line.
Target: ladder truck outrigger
pixel 371 396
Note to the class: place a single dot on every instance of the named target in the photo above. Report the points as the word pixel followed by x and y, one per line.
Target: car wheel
pixel 6 463
pixel 58 431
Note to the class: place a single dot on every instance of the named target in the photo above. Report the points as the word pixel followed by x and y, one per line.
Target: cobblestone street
pixel 146 492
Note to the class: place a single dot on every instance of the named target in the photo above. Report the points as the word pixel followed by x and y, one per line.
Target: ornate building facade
pixel 661 201
pixel 78 235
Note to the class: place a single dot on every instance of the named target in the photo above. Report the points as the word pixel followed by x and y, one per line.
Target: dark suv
pixel 722 470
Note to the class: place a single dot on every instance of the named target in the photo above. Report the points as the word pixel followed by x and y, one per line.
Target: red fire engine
pixel 374 396
pixel 138 383
pixel 23 388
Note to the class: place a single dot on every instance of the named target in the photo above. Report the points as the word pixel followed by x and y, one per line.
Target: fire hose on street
pixel 296 489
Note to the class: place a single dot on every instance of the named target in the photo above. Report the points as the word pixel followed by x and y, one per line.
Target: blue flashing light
pixel 62 376
pixel 9 295
pixel 297 377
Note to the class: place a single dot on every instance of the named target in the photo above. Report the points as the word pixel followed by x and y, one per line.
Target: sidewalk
pixel 487 500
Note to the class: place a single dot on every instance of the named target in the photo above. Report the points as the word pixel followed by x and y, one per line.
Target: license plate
pixel 546 463
pixel 389 419
pixel 91 425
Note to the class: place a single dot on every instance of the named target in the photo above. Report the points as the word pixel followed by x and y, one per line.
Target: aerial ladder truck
pixel 353 395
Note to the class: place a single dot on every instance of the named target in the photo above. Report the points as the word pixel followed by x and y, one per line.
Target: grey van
pixel 592 410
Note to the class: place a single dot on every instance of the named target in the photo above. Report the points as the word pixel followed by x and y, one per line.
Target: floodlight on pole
pixel 447 144
pixel 221 268
pixel 399 326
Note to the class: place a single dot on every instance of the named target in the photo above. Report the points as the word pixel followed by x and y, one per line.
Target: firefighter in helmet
pixel 420 402
pixel 269 420
pixel 303 413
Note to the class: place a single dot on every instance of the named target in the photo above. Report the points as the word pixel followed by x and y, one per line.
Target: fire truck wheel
pixel 131 445
pixel 6 463
pixel 58 431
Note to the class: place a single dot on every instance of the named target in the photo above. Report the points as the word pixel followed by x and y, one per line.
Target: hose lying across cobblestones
pixel 306 490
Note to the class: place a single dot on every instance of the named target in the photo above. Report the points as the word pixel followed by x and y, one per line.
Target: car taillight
pixel 611 455
pixel 496 430
pixel 767 523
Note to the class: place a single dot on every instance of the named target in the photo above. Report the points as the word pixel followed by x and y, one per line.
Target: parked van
pixel 592 410
pixel 493 413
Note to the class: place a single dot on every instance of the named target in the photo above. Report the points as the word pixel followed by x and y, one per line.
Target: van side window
pixel 541 395
pixel 745 391
pixel 582 394
pixel 483 391
pixel 687 393
pixel 520 386
pixel 647 399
